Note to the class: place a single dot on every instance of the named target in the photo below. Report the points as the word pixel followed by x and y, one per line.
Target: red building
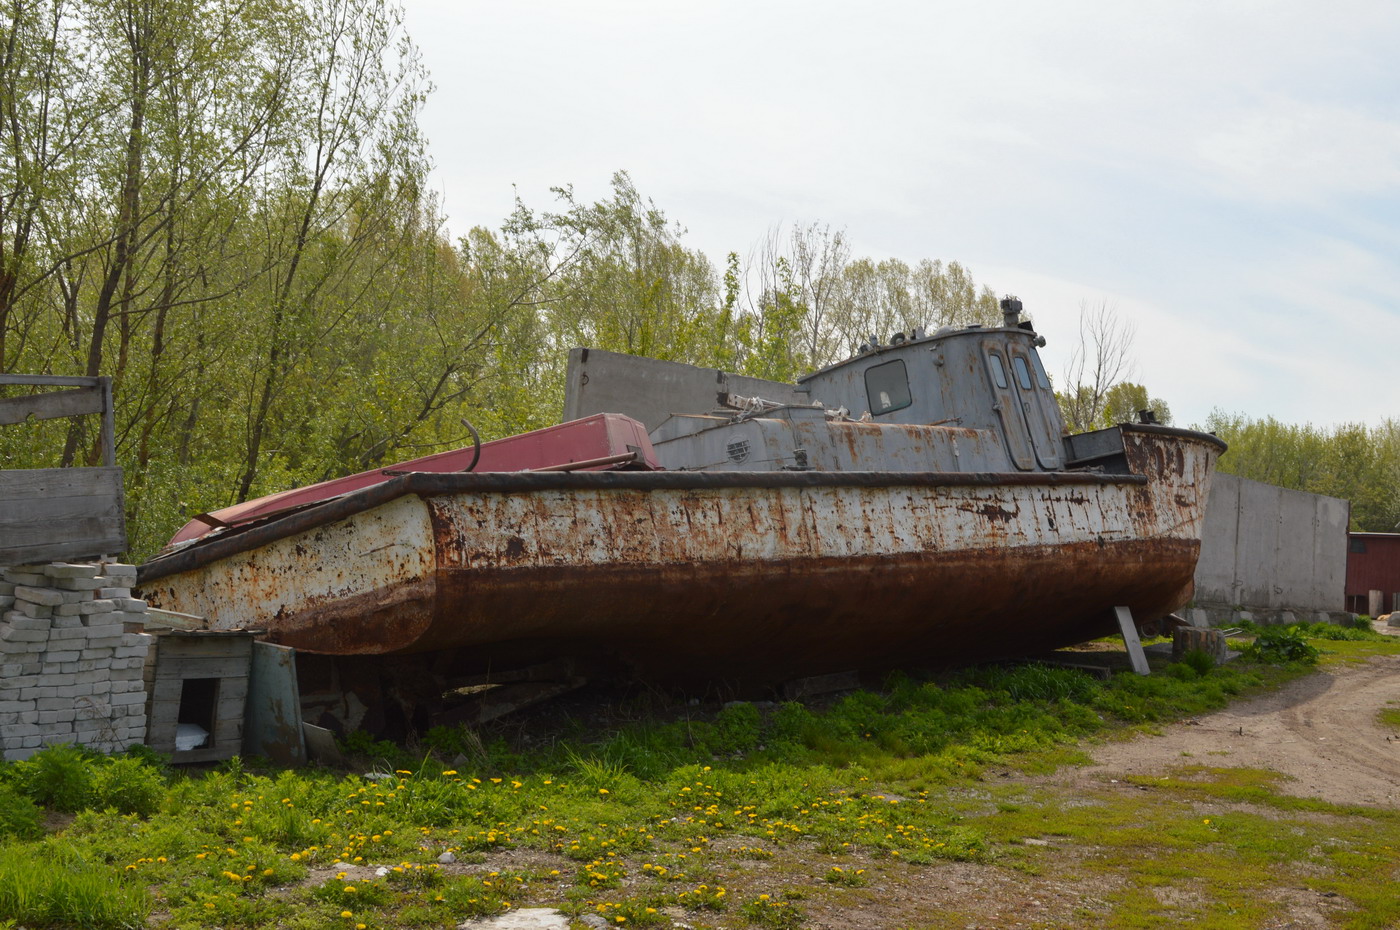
pixel 1373 564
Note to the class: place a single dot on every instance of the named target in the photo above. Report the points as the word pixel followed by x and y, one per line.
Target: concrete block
pixel 85 585
pixel 68 622
pixel 17 707
pixel 18 754
pixel 131 697
pixel 21 730
pixel 18 621
pixel 70 569
pixel 7 601
pixel 124 593
pixel 101 654
pixel 30 609
pixel 57 716
pixel 13 651
pixel 63 637
pixel 129 603
pixel 105 642
pixel 52 657
pixel 100 688
pixel 48 597
pixel 11 635
pixel 30 579
pixel 119 570
pixel 104 630
pixel 99 606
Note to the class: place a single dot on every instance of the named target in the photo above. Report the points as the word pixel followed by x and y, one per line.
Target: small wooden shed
pixel 197 680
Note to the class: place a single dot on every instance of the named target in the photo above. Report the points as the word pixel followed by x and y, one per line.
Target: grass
pixel 764 816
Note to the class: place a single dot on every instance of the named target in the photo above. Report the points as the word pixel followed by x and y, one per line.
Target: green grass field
pixel 746 815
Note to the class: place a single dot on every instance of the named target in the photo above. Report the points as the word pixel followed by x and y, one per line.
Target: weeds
pixel 689 813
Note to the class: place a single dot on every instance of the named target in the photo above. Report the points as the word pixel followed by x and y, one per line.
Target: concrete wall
pixel 650 390
pixel 1270 550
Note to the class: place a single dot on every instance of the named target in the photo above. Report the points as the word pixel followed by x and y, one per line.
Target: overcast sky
pixel 1227 175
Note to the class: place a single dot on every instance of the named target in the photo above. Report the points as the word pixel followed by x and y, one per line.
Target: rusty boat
pixel 919 504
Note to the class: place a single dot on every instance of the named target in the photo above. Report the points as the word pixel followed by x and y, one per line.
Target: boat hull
pixel 696 576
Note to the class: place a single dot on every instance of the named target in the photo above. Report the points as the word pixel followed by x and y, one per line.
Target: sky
pixel 1224 176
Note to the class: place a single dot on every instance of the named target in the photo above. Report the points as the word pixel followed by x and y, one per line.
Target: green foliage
pixel 20 817
pixel 1277 645
pixel 1199 661
pixel 765 911
pixel 60 778
pixel 68 891
pixel 736 728
pixel 70 779
pixel 128 786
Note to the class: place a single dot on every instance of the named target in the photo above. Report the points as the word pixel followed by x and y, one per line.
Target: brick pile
pixel 69 673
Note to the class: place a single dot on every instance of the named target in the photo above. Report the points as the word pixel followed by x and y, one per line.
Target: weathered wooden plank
pixel 75 403
pixel 208 754
pixel 173 619
pixel 211 646
pixel 108 432
pixel 51 380
pixel 203 667
pixel 51 514
pixel 230 728
pixel 168 692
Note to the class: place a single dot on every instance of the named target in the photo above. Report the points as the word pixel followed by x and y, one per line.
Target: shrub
pixel 19 816
pixel 1278 645
pixel 59 778
pixel 736 728
pixel 129 786
pixel 1200 661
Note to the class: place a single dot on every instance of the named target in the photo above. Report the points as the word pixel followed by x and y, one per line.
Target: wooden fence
pixel 55 514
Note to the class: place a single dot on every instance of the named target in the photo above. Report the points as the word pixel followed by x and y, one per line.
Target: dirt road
pixel 1320 731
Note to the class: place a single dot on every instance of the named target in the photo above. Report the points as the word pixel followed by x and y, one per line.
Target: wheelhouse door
pixel 1008 408
pixel 1034 391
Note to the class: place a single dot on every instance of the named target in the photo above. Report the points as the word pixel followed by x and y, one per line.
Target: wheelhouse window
pixel 1023 372
pixel 1040 377
pixel 887 387
pixel 998 369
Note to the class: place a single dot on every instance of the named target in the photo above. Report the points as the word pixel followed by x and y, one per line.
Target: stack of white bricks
pixel 68 671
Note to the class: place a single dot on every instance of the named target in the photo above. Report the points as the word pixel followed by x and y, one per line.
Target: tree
pixel 1350 461
pixel 1125 400
pixel 1099 362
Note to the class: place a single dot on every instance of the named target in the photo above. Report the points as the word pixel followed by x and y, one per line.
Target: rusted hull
pixel 707 576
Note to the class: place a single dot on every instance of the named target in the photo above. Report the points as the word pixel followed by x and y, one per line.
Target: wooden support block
pixel 1130 640
pixel 1189 638
pixel 820 684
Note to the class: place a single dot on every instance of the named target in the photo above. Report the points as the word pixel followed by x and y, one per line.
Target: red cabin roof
pixel 590 444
